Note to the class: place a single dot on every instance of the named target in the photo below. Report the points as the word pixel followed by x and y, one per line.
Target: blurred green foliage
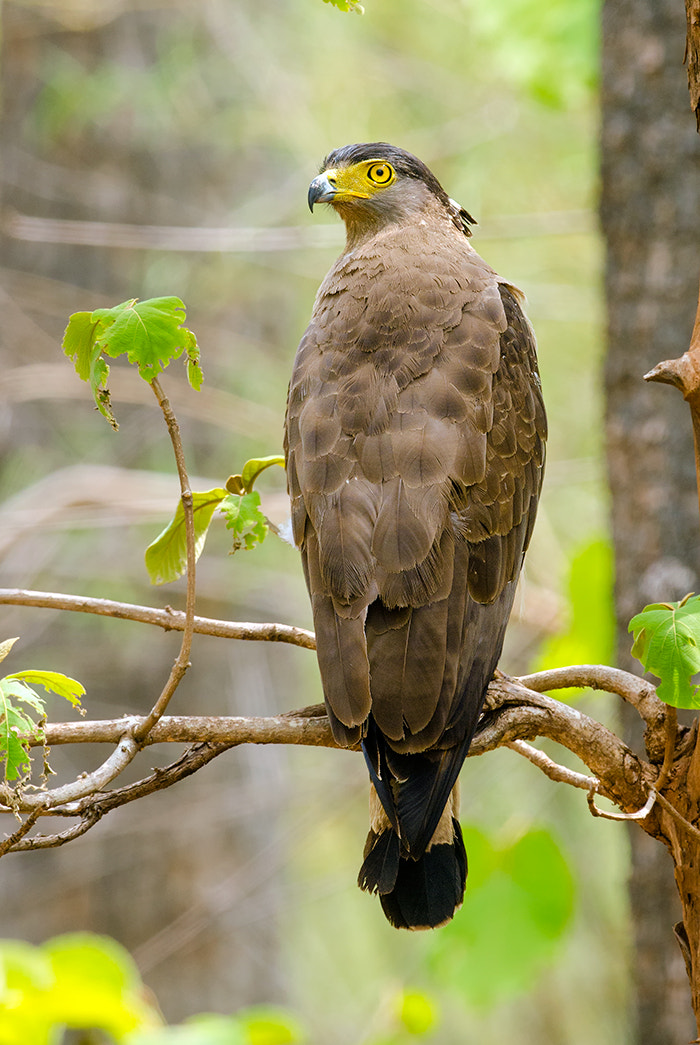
pixel 589 636
pixel 86 982
pixel 518 905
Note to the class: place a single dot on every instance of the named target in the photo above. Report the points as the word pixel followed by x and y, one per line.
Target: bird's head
pixel 374 184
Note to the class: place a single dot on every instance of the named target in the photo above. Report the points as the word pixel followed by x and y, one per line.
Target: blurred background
pixel 152 149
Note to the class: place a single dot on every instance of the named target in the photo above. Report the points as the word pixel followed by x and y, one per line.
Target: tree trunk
pixel 651 221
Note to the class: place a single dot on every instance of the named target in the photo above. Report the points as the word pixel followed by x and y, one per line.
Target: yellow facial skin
pixel 359 182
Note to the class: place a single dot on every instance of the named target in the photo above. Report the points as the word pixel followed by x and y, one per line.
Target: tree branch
pixel 168 618
pixel 513 713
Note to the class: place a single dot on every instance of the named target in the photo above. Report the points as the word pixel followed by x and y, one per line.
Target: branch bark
pixel 168 618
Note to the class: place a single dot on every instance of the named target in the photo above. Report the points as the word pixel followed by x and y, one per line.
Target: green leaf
pixel 25 973
pixel 416 1012
pixel 80 344
pixel 54 682
pixel 16 722
pixel 589 637
pixel 667 643
pixel 149 333
pixel 166 556
pixel 245 517
pixel 517 906
pixel 245 482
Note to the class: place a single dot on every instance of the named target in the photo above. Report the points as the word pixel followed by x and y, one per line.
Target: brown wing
pixel 414 440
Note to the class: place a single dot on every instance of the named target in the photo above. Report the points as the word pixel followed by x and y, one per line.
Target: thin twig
pixel 9 843
pixel 182 661
pixel 53 841
pixel 92 809
pixel 86 784
pixel 550 768
pixel 638 814
pixel 168 618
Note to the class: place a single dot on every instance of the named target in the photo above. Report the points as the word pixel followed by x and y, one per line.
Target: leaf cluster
pixel 17 703
pixel 166 556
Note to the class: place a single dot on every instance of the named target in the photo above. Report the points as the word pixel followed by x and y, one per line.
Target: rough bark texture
pixel 692 55
pixel 651 221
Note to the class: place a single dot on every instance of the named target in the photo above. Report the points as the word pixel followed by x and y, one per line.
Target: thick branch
pixel 169 619
pixel 513 712
pixel 635 690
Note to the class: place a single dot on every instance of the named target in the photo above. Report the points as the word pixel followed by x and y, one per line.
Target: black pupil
pixel 379 172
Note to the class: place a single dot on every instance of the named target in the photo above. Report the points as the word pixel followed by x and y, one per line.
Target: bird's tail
pixel 416 892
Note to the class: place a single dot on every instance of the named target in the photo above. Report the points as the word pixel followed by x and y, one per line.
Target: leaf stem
pixel 182 661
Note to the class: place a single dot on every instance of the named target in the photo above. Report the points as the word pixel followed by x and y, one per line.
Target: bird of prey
pixel 414 441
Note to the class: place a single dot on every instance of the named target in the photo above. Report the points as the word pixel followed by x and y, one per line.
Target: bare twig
pixel 639 814
pixel 552 769
pixel 182 661
pixel 53 841
pixel 86 784
pixel 170 619
pixel 92 809
pixel 8 844
pixel 515 712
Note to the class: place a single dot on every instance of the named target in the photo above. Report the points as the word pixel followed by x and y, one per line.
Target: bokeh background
pixel 166 148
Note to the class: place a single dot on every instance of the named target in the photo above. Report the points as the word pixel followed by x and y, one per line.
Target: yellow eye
pixel 381 173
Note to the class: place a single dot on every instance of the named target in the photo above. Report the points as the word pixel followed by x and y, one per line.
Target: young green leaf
pixel 267 1025
pixel 150 333
pixel 244 516
pixel 166 556
pixel 80 345
pixel 54 682
pixel 667 643
pixel 245 482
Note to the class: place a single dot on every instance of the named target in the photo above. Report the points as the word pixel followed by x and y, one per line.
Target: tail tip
pixel 415 893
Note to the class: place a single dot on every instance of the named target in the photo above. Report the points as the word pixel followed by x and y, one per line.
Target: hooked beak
pixel 322 189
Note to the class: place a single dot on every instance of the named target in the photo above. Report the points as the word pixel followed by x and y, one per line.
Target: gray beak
pixel 321 190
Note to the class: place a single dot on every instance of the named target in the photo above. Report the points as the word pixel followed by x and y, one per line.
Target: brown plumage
pixel 415 445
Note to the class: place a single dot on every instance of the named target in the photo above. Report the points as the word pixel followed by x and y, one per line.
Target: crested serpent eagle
pixel 414 440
